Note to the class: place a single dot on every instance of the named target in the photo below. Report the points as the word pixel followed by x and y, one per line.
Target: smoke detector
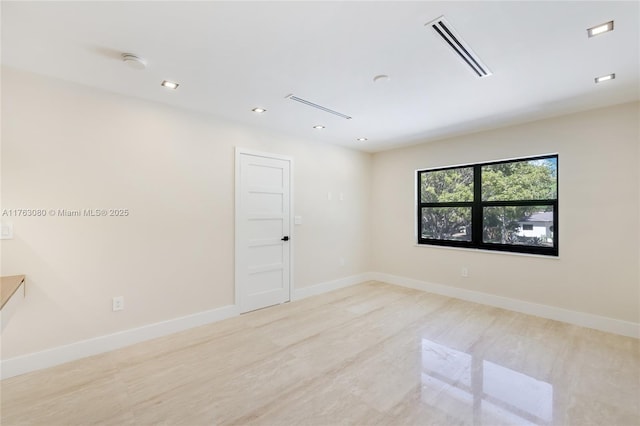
pixel 134 61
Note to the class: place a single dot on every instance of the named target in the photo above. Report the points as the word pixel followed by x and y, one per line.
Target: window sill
pixel 475 250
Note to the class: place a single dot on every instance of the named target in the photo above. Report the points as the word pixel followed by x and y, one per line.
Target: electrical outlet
pixel 464 272
pixel 118 303
pixel 342 261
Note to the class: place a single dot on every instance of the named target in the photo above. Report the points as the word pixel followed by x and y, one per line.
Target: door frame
pixel 238 153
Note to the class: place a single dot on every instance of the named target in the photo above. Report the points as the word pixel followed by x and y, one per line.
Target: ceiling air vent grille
pixel 462 49
pixel 320 107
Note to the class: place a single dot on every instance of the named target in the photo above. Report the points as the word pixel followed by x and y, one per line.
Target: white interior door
pixel 263 224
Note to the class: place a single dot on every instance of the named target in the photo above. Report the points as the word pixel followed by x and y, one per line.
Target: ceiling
pixel 230 57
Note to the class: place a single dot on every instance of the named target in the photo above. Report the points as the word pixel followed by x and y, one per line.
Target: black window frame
pixel 477 205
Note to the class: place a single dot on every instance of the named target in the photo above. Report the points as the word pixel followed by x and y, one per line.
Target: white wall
pixel 597 271
pixel 73 147
pixel 69 146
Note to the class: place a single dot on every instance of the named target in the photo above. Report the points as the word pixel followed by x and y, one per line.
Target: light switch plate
pixel 6 231
pixel 297 220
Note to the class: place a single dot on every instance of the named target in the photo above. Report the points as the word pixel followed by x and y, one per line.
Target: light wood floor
pixel 368 354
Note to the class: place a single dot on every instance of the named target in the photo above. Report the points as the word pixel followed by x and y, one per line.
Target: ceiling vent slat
pixel 459 46
pixel 320 107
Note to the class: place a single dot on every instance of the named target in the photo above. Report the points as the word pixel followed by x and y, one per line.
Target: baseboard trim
pixel 314 290
pixel 610 325
pixel 55 356
pixel 51 357
pixel 62 354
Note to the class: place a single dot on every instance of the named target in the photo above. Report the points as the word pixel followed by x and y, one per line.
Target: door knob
pixel 285 238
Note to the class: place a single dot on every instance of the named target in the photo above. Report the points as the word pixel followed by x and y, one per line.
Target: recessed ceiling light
pixel 319 126
pixel 600 29
pixel 169 84
pixel 605 78
pixel 362 139
pixel 259 110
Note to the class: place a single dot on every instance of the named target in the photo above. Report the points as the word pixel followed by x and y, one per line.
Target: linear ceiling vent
pixel 462 49
pixel 320 107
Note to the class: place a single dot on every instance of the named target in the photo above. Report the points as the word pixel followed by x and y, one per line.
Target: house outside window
pixel 537 225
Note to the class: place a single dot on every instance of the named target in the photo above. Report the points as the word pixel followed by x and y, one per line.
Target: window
pixel 505 205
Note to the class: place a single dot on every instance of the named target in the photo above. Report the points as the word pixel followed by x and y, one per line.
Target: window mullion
pixel 476 209
pixel 509 203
